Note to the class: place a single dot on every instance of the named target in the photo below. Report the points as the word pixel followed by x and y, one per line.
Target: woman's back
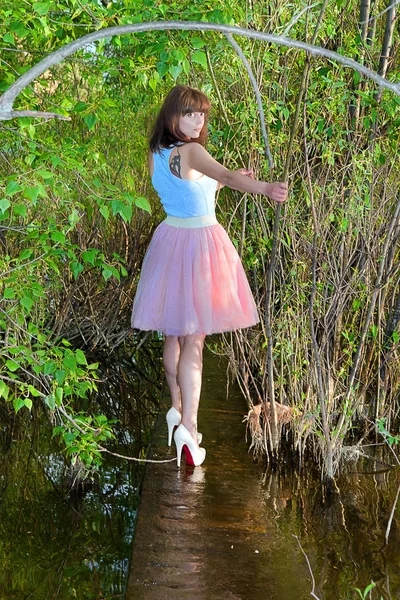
pixel 182 197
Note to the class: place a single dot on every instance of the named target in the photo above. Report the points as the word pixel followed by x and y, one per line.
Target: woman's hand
pixel 277 191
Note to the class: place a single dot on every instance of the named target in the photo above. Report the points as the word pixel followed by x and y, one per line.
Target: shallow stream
pixel 59 541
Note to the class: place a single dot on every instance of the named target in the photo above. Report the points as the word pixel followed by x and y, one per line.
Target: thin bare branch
pixel 309 568
pixel 250 73
pixel 8 98
pixel 297 17
pixel 389 525
pixel 381 13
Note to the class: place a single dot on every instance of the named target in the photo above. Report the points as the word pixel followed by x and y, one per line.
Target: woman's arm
pixel 200 160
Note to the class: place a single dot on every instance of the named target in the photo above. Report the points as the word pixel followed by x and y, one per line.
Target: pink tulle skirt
pixel 192 282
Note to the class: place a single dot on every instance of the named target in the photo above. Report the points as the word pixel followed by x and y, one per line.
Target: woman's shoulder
pixel 192 148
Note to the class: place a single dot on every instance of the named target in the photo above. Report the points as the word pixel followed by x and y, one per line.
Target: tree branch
pixel 8 98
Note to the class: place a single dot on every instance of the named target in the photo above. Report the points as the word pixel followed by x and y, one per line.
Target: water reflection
pixel 223 531
pixel 60 537
pixel 342 533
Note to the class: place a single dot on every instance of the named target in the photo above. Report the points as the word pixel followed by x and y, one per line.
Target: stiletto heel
pixel 183 440
pixel 173 418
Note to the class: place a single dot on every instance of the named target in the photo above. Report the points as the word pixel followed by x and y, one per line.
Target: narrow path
pixel 206 533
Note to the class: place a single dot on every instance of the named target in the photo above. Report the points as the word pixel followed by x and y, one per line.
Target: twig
pixel 389 525
pixel 101 448
pixel 309 567
pixel 147 460
pixel 297 17
pixel 381 13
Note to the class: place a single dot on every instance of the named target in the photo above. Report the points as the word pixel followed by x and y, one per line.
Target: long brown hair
pixel 180 101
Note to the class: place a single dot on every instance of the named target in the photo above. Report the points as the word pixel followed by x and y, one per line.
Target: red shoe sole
pixel 189 459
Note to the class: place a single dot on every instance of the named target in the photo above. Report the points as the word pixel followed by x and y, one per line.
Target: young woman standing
pixel 192 282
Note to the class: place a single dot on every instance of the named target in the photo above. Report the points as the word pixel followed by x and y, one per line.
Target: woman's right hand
pixel 277 191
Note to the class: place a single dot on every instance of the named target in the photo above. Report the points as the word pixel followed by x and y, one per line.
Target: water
pixel 226 530
pixel 221 531
pixel 61 538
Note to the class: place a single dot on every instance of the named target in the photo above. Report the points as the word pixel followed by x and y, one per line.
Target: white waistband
pixel 191 222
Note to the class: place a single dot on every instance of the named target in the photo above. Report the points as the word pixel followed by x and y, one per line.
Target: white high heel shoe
pixel 183 440
pixel 173 418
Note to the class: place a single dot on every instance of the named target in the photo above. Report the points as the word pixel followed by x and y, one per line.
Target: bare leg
pixel 171 353
pixel 190 368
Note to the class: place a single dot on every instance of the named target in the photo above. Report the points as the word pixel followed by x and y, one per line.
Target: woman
pixel 192 282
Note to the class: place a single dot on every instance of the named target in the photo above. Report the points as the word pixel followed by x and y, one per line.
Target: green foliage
pixel 83 443
pixel 364 594
pixel 77 208
pixel 389 438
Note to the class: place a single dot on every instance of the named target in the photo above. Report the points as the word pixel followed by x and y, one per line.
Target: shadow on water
pixel 222 531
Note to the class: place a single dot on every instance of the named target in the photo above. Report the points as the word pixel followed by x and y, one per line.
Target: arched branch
pixel 8 98
pixel 253 81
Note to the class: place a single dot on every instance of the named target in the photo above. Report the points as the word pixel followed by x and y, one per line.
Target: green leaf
pixel 107 272
pixel 12 188
pixel 175 71
pixel 153 81
pixel 143 203
pixel 9 38
pixel 73 218
pixel 55 160
pixel 24 254
pixel 116 207
pixel 126 212
pixel 104 211
pixel 197 42
pixel 9 293
pixel 45 174
pixel 18 403
pixel 4 204
pixel 28 403
pixel 162 68
pixel 42 8
pixel 89 256
pixel 12 365
pixel 27 302
pixel 200 57
pixel 80 357
pixel 60 376
pixel 4 390
pixel 91 120
pixel 20 209
pixel 31 193
pixel 18 28
pixel 58 236
pixel 69 361
pixel 50 400
pixel 80 106
pixel 59 395
pixel 34 391
pixel 76 268
pixel 49 367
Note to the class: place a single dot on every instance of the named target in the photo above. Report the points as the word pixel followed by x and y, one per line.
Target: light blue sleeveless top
pixel 182 197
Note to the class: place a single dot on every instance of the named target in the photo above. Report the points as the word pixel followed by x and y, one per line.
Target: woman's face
pixel 191 124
